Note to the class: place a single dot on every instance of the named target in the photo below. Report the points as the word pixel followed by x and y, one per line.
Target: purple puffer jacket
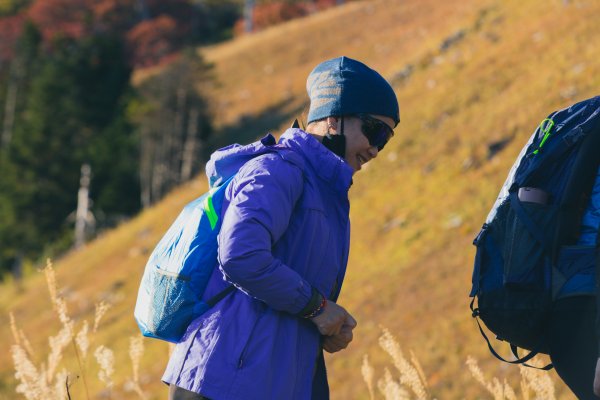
pixel 285 229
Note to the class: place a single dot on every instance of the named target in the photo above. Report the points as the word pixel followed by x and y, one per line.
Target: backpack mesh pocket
pixel 173 304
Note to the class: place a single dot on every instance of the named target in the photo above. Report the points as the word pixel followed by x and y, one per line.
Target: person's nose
pixel 373 151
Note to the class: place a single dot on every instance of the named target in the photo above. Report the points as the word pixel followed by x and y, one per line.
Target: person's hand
pixel 333 344
pixel 597 379
pixel 331 320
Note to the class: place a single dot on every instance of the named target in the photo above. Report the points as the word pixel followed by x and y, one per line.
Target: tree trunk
pixel 146 150
pixel 159 167
pixel 83 201
pixel 10 106
pixel 189 148
pixel 17 269
pixel 249 15
pixel 178 137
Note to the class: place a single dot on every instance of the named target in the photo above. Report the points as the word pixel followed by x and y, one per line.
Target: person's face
pixel 358 149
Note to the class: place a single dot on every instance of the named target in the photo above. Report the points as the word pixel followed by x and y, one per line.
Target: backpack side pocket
pixel 174 305
pixel 526 250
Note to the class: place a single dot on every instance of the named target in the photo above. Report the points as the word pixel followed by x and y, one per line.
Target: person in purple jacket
pixel 284 245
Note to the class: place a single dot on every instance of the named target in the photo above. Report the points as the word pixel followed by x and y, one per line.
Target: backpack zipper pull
pixel 546 130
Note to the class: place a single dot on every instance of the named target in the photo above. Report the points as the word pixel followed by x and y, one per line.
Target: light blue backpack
pixel 179 268
pixel 177 273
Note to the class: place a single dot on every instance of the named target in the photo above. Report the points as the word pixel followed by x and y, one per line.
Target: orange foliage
pixel 323 4
pixel 149 41
pixel 152 40
pixel 275 13
pixel 115 15
pixel 10 30
pixel 71 18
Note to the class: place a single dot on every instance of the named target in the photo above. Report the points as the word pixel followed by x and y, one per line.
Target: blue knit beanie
pixel 343 86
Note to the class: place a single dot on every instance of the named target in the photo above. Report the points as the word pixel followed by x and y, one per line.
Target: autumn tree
pixel 260 14
pixel 62 18
pixel 66 100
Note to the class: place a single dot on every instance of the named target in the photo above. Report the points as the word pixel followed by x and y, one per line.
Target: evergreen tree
pixel 74 114
pixel 15 75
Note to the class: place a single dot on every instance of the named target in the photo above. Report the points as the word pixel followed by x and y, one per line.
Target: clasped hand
pixel 336 325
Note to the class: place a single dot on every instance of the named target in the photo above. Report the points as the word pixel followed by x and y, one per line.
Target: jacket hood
pixel 226 162
pixel 305 149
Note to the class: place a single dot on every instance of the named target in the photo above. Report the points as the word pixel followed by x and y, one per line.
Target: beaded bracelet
pixel 319 310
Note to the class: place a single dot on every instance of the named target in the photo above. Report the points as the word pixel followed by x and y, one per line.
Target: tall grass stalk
pixel 412 382
pixel 532 380
pixel 106 360
pixel 19 336
pixel 500 391
pixel 136 350
pixel 391 389
pixel 538 381
pixel 411 376
pixel 368 374
pixel 44 382
pixel 60 306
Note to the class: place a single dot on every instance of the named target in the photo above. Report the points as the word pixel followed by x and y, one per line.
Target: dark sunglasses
pixel 376 131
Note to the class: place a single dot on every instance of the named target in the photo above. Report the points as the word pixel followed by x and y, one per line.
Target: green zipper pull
pixel 546 131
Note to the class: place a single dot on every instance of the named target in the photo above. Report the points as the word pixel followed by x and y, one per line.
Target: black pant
pixel 177 393
pixel 574 345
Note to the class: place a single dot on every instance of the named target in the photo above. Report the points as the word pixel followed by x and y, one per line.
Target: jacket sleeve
pixel 263 197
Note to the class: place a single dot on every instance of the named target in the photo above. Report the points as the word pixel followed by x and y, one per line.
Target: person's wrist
pixel 319 310
pixel 315 305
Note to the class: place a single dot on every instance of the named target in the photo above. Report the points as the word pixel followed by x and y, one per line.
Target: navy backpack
pixel 526 254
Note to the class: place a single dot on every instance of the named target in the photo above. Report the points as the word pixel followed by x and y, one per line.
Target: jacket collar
pixel 334 170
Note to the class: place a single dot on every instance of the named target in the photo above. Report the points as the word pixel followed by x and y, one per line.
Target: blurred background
pixel 109 110
pixel 74 119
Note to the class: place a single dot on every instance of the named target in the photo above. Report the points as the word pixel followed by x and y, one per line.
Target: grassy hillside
pixel 468 74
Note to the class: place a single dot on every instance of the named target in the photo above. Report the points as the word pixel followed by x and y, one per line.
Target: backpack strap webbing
pixel 513 348
pixel 220 296
pixel 515 351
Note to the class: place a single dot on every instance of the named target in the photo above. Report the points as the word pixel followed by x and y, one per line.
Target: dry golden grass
pixel 46 381
pixel 535 384
pixel 411 382
pixel 415 210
